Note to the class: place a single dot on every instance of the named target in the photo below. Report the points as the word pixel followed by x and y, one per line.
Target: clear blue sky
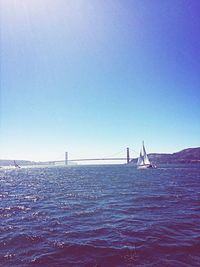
pixel 92 77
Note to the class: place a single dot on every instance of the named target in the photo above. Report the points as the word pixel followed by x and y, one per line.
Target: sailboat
pixel 16 165
pixel 143 160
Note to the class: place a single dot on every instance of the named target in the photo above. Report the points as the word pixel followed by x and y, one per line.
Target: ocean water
pixel 100 216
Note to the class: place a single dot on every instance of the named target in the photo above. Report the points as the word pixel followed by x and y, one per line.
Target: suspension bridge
pixel 67 161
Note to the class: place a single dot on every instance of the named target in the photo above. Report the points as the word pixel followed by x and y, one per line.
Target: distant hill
pixel 189 155
pixel 10 162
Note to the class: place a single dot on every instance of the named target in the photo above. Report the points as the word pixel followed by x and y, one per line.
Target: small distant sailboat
pixel 143 160
pixel 16 165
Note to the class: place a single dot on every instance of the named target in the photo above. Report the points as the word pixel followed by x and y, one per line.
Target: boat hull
pixel 147 166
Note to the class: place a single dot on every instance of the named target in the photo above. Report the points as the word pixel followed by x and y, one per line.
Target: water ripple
pixel 100 216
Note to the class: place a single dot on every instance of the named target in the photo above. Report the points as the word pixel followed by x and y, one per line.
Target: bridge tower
pixel 127 155
pixel 66 158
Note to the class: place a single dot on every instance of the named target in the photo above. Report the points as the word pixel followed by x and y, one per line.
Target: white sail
pixel 140 160
pixel 145 157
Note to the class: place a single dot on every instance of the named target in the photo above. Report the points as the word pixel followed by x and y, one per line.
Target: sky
pixel 93 77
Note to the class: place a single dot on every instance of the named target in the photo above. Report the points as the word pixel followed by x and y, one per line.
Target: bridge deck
pixel 89 159
pixel 97 159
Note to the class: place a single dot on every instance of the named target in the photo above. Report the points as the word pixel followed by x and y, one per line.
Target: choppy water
pixel 100 216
